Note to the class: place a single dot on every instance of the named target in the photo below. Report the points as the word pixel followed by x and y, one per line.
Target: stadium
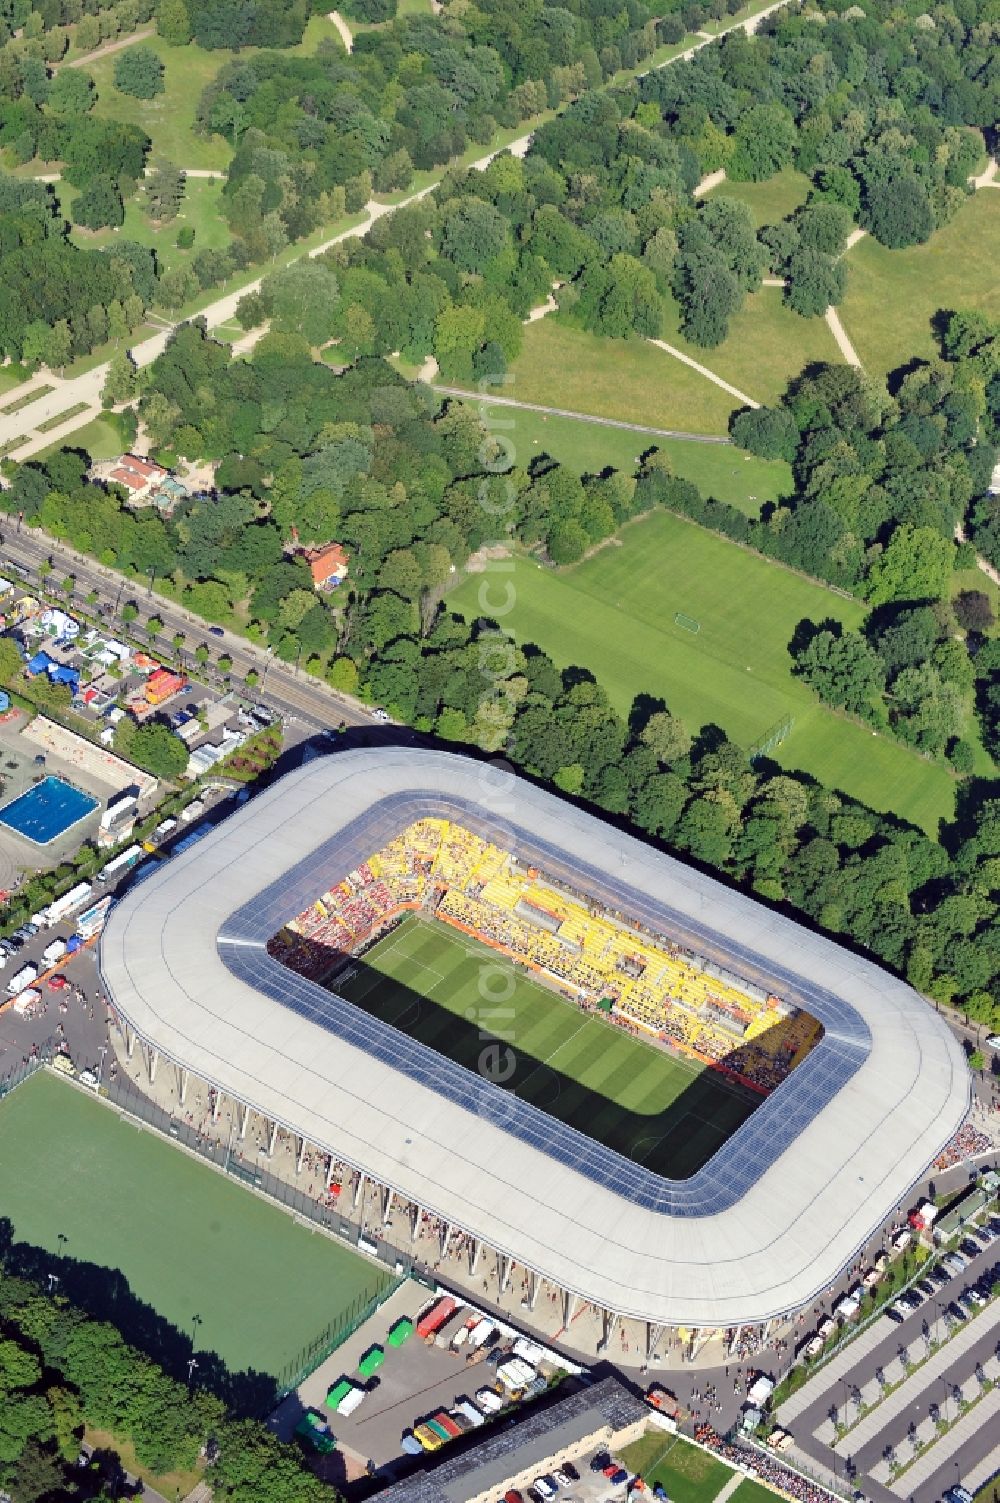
pixel 636 1086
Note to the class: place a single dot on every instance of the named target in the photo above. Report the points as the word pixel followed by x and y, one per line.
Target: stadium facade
pixel 764 1226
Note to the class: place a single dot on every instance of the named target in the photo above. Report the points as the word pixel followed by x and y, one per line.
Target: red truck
pixel 433 1319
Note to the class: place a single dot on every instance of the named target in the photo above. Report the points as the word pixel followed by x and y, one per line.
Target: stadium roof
pixel 764 1226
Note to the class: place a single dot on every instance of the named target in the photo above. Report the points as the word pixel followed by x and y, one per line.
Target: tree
pixel 121 382
pixel 816 281
pixel 843 669
pixel 473 233
pixel 72 92
pixel 164 192
pixel 139 72
pixel 765 138
pixel 973 610
pixel 771 432
pixel 916 565
pixel 99 205
pixel 666 736
pixel 977 1061
pixel 59 347
pixel 152 746
pixel 172 22
pixel 897 209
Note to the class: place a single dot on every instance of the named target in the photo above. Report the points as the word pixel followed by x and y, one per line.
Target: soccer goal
pixel 687 623
pixel 771 739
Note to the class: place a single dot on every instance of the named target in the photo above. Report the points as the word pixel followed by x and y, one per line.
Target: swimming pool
pixel 47 810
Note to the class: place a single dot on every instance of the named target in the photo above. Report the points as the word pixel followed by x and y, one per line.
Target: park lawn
pixel 753 1492
pixel 201 209
pixel 892 295
pixel 769 201
pixel 318 29
pixel 563 366
pixel 189 1241
pixel 101 438
pixel 169 119
pixel 614 613
pixel 167 1484
pixel 688 1474
pixel 766 346
pixel 975 579
pixel 13 375
pixel 627 1094
pixel 719 470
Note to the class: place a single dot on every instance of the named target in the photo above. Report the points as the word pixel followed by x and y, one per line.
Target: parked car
pixel 57 983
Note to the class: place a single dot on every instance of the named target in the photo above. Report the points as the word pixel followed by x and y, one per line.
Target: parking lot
pixel 911 1408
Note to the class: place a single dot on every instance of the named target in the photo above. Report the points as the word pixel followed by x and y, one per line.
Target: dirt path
pixel 708 183
pixel 490 399
pixel 982 564
pixel 106 48
pixel 987 178
pixel 703 370
pixel 343 30
pixel 839 333
pixel 853 239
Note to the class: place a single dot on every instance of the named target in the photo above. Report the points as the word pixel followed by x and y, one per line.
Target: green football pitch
pixel 444 990
pixel 236 1274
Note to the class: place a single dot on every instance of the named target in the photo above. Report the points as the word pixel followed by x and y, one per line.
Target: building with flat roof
pixel 757 1232
pixel 603 1417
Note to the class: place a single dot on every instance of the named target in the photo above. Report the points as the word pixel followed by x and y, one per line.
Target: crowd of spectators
pixel 769 1469
pixel 966 1144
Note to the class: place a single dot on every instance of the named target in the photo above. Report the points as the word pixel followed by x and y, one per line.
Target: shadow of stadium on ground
pixel 675 1140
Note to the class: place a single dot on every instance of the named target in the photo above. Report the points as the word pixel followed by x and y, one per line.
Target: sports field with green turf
pixel 86 1184
pixel 633 1097
pixel 615 613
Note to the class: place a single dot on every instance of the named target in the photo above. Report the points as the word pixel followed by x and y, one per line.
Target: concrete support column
pixel 533 1284
pixel 414 1223
pixel 475 1253
pixel 608 1323
pixel 216 1104
pixel 300 1156
pixel 359 1190
pixel 129 1042
pixel 569 1304
pixel 154 1060
pixel 388 1196
pixel 653 1334
pixel 183 1078
pixel 272 1140
pixel 244 1119
pixel 446 1232
pixel 330 1165
pixel 505 1267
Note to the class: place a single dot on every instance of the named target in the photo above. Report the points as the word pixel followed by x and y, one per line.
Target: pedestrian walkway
pixel 726 1492
pixel 840 334
pixel 834 1371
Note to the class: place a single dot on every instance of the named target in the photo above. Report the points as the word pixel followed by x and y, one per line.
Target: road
pixel 285 688
pixel 19 436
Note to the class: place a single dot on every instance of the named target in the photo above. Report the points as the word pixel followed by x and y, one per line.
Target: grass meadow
pixel 719 470
pixel 614 613
pixel 562 366
pixel 769 201
pixel 893 295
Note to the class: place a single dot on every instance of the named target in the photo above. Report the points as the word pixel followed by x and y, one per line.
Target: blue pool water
pixel 47 810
